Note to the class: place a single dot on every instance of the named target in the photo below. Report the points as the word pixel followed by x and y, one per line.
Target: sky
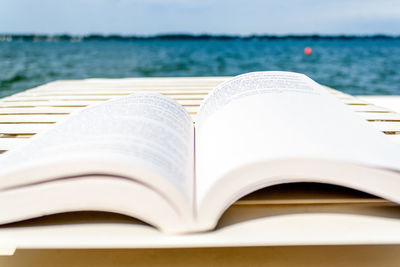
pixel 243 17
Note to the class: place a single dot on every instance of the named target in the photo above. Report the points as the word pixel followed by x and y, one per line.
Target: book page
pixel 277 117
pixel 142 131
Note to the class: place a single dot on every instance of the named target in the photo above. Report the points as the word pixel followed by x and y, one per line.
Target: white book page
pixel 148 132
pixel 272 116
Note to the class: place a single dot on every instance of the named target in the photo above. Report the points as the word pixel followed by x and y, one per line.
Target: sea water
pixel 357 66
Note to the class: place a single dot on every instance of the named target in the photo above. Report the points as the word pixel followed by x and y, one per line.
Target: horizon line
pixel 187 36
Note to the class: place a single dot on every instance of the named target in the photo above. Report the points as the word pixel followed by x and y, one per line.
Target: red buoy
pixel 307 51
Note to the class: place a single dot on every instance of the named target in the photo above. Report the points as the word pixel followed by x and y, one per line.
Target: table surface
pixel 24 114
pixel 35 110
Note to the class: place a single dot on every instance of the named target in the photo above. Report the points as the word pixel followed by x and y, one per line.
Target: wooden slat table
pixel 24 114
pixel 35 110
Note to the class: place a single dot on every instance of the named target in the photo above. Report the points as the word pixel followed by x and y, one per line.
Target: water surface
pixel 365 66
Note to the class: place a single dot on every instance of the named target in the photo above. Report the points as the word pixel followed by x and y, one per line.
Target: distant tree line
pixel 101 37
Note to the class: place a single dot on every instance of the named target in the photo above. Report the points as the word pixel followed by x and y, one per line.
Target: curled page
pixel 274 127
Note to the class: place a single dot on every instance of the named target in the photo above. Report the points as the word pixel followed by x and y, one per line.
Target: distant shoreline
pixel 99 37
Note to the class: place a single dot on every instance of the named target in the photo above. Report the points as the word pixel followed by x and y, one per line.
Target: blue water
pixel 364 66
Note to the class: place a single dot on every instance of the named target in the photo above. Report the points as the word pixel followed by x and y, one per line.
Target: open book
pixel 143 156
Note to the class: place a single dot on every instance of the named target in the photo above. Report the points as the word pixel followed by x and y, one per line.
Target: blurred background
pixel 352 45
